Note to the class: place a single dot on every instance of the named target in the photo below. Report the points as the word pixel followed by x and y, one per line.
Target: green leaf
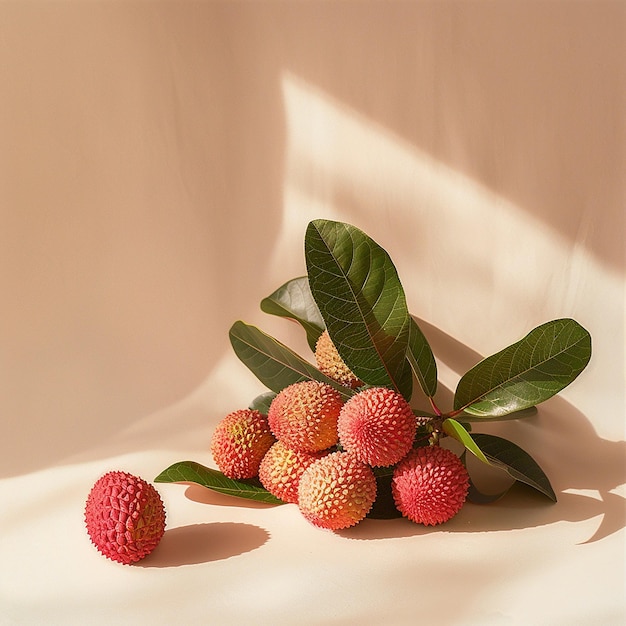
pixel 526 373
pixel 516 462
pixel 262 402
pixel 273 363
pixel 362 302
pixel 421 359
pixel 457 431
pixel 293 300
pixel 192 472
pixel 516 415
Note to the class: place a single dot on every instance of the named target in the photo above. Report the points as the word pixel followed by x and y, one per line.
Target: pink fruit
pixel 378 426
pixel 281 469
pixel 304 416
pixel 330 363
pixel 125 517
pixel 239 443
pixel 429 485
pixel 337 491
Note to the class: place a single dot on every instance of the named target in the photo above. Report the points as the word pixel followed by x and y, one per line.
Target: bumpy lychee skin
pixel 337 491
pixel 304 416
pixel 378 426
pixel 430 485
pixel 125 517
pixel 239 443
pixel 281 469
pixel 330 363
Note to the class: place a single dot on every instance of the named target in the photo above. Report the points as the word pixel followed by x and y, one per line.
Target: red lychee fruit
pixel 125 517
pixel 429 485
pixel 330 363
pixel 281 469
pixel 337 491
pixel 239 443
pixel 378 426
pixel 304 416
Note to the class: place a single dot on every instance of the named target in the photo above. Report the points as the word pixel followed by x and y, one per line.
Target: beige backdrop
pixel 159 162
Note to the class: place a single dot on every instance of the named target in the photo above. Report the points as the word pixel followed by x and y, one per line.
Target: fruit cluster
pixel 314 450
pixel 339 438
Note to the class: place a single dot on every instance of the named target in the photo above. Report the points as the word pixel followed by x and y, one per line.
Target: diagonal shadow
pixel 204 543
pixel 452 117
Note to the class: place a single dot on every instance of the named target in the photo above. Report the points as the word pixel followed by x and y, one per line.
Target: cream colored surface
pixel 159 162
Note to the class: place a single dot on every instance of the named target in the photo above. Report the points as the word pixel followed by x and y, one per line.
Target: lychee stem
pixel 434 406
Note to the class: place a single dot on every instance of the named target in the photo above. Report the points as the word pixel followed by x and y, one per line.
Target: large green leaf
pixel 526 373
pixel 273 363
pixel 421 359
pixel 293 300
pixel 516 462
pixel 192 472
pixel 359 295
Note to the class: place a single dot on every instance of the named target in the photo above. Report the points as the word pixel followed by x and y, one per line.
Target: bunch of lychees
pixel 340 440
pixel 319 452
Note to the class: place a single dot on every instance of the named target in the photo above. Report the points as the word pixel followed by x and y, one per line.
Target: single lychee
pixel 125 517
pixel 430 485
pixel 337 491
pixel 304 416
pixel 239 443
pixel 330 363
pixel 378 426
pixel 281 469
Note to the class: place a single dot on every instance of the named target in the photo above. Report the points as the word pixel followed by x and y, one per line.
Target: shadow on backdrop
pixel 520 97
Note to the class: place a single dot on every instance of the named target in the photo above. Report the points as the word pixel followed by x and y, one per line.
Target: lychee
pixel 330 363
pixel 281 469
pixel 304 416
pixel 430 485
pixel 239 443
pixel 336 491
pixel 378 426
pixel 125 517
